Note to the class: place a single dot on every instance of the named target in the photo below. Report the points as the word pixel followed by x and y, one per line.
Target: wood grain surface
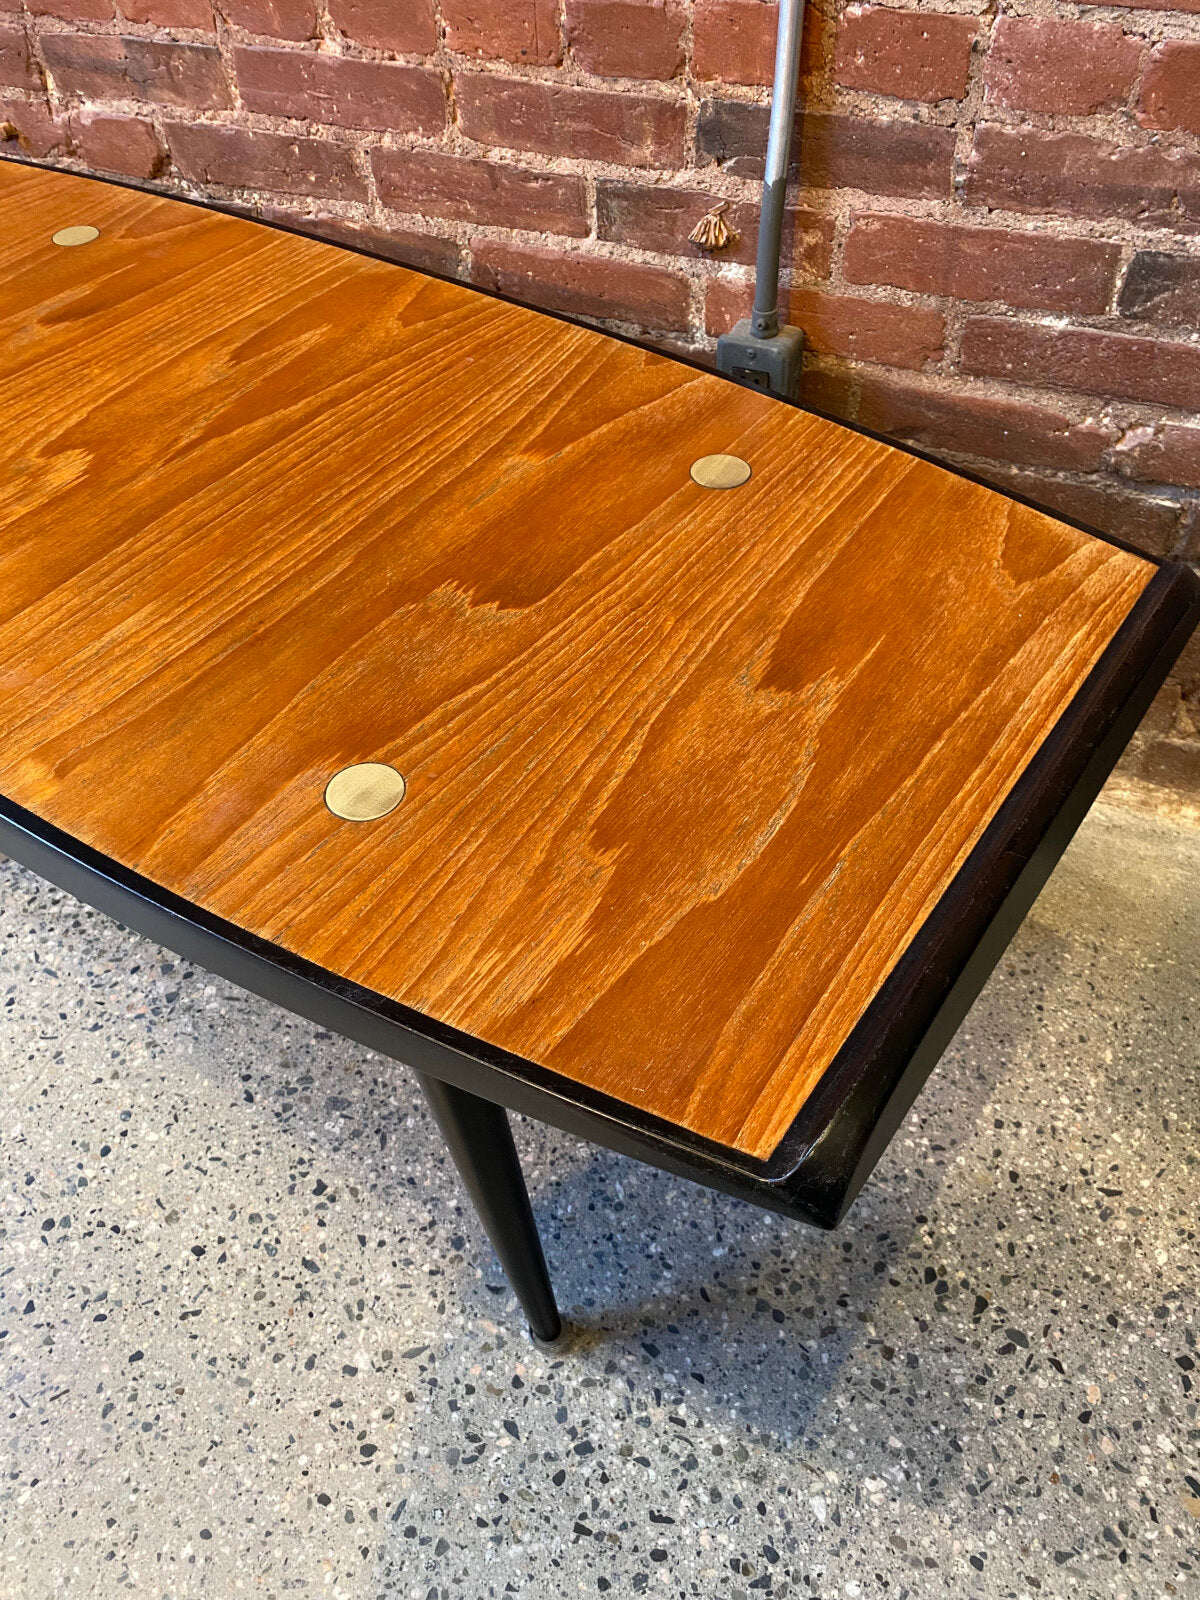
pixel 687 769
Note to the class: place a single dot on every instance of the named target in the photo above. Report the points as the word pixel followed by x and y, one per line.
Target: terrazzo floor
pixel 252 1343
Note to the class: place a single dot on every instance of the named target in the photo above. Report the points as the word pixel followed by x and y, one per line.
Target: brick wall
pixel 994 246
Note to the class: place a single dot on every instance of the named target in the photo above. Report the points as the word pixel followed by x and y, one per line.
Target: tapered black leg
pixel 481 1142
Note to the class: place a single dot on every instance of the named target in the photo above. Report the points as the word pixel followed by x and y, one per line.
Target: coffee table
pixel 602 739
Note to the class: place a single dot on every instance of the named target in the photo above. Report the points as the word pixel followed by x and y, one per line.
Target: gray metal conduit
pixel 764 319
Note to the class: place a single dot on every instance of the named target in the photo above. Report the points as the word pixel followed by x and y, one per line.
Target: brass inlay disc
pixel 720 472
pixel 83 234
pixel 367 790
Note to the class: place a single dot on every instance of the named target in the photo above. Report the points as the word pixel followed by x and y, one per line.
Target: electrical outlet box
pixel 772 365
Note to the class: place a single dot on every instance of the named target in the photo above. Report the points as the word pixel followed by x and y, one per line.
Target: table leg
pixel 481 1142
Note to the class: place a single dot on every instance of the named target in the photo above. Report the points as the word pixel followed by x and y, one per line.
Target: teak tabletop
pixel 690 772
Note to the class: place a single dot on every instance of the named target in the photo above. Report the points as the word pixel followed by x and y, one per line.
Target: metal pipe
pixel 764 320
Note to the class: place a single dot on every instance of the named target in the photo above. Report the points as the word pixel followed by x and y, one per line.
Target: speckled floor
pixel 252 1343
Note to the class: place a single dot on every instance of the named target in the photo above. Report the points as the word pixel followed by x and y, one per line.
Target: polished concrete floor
pixel 252 1343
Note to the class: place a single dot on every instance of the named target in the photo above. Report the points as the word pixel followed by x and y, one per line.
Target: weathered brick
pixel 867 330
pixel 1047 64
pixel 1150 5
pixel 428 183
pixel 1035 270
pixel 1162 287
pixel 735 40
pixel 1152 525
pixel 639 130
pixel 915 55
pixel 1170 96
pixel 28 128
pixel 828 388
pixel 1166 454
pixel 958 423
pixel 627 38
pixel 119 144
pixel 277 19
pixel 239 158
pixel 425 252
pixel 583 286
pixel 171 13
pixel 130 68
pixel 505 30
pixel 1186 671
pixel 661 218
pixel 1024 169
pixel 1171 764
pixel 833 151
pixel 408 27
pixel 340 90
pixel 838 325
pixel 1086 359
pixel 17 70
pixel 75 10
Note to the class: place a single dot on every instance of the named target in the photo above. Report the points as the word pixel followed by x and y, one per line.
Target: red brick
pixel 27 128
pixel 1035 270
pixel 171 13
pixel 584 286
pixel 119 144
pixel 835 152
pixel 278 19
pixel 1087 359
pixel 1044 64
pixel 340 90
pixel 1162 286
pixel 1150 5
pixel 735 40
pixel 867 330
pixel 1023 169
pixel 17 70
pixel 638 130
pixel 74 10
pixel 627 38
pixel 1170 95
pixel 240 159
pixel 504 30
pixel 1172 764
pixel 1186 670
pixel 661 218
pixel 861 330
pixel 408 27
pixel 1113 508
pixel 428 183
pixel 425 252
pixel 827 388
pixel 965 423
pixel 131 68
pixel 1167 454
pixel 915 55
